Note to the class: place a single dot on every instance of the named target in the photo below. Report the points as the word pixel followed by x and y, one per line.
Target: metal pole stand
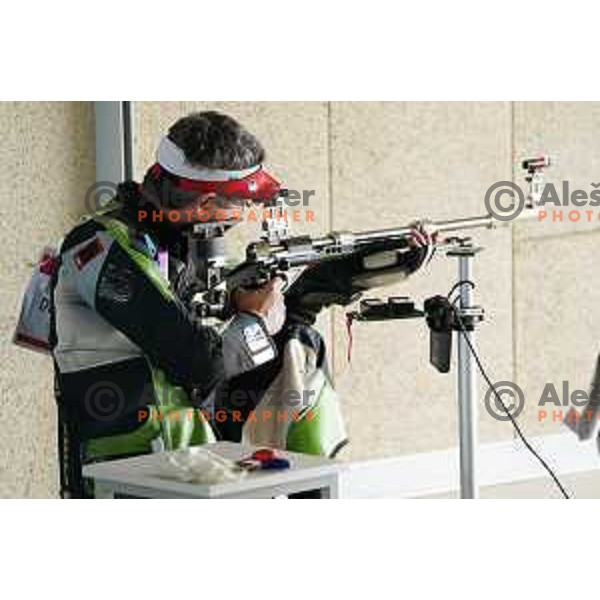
pixel 463 320
pixel 469 316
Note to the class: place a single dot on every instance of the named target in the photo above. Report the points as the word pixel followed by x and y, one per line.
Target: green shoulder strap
pixel 121 234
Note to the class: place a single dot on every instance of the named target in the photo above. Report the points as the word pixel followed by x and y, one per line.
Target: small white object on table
pixel 143 477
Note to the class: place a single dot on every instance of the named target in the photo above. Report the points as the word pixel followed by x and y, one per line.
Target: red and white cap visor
pixel 253 183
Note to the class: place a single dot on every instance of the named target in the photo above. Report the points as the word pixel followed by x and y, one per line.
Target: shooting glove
pixel 342 280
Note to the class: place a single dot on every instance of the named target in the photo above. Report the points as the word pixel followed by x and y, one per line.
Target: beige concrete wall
pixel 47 158
pixel 557 296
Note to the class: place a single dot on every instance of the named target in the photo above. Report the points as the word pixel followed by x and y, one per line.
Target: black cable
pixel 459 284
pixel 520 433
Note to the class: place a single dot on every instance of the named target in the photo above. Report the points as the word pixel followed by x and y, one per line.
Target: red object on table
pixel 264 454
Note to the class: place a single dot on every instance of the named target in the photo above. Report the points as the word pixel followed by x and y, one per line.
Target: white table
pixel 140 477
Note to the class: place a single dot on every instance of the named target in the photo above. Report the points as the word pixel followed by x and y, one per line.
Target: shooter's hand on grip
pixel 422 239
pixel 265 302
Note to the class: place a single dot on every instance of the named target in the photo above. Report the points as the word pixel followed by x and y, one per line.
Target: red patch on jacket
pixel 88 253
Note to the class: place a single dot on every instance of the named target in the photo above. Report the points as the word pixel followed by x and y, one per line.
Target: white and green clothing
pixel 136 372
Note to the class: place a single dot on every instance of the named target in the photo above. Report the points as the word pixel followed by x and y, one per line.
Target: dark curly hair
pixel 216 141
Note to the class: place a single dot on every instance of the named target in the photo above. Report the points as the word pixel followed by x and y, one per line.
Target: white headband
pixel 172 158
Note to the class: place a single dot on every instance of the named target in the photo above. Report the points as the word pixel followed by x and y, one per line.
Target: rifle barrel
pixel 440 226
pixel 399 232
